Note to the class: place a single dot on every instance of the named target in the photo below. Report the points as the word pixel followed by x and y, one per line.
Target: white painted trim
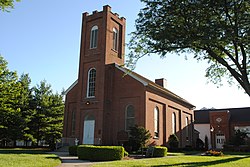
pixel 69 89
pixel 132 75
pixel 87 95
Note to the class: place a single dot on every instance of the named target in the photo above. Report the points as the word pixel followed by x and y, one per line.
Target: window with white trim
pixel 115 39
pixel 91 83
pixel 187 128
pixel 93 37
pixel 156 122
pixel 173 123
pixel 129 117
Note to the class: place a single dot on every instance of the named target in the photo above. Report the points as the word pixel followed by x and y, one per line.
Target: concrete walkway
pixel 71 161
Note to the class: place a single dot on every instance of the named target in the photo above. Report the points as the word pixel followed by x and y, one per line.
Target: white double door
pixel 220 140
pixel 88 132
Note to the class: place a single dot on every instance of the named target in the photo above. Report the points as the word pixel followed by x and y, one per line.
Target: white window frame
pixel 88 84
pixel 94 37
pixel 115 39
pixel 187 128
pixel 156 122
pixel 173 123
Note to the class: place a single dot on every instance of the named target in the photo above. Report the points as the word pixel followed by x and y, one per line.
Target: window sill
pixel 116 51
pixel 90 97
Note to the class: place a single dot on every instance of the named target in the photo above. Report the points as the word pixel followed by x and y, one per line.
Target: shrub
pixel 199 144
pixel 73 150
pixel 160 151
pixel 206 143
pixel 214 153
pixel 100 153
pixel 173 142
pixel 139 137
pixel 125 153
pixel 238 138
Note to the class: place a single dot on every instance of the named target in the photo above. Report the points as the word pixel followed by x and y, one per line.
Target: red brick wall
pixel 114 91
pixel 221 127
pixel 167 107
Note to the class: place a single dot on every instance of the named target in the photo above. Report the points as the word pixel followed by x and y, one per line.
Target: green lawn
pixel 184 161
pixel 27 158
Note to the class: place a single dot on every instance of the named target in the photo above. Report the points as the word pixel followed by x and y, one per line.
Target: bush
pixel 206 143
pixel 173 142
pixel 125 153
pixel 139 137
pixel 214 153
pixel 100 153
pixel 73 150
pixel 160 151
pixel 238 138
pixel 199 144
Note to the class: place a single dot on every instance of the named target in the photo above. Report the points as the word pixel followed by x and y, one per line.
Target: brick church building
pixel 106 99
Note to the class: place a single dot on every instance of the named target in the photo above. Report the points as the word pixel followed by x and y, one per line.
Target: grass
pixel 27 158
pixel 181 160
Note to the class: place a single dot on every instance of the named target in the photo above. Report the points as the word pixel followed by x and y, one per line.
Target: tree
pixel 239 138
pixel 216 31
pixel 40 109
pixel 47 118
pixel 4 4
pixel 55 123
pixel 139 137
pixel 24 99
pixel 173 142
pixel 10 113
pixel 206 142
pixel 26 113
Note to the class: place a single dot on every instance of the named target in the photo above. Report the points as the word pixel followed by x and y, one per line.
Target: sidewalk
pixel 71 161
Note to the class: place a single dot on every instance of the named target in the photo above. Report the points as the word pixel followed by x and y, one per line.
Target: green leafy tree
pixel 55 123
pixel 239 138
pixel 46 121
pixel 206 142
pixel 173 142
pixel 216 31
pixel 139 137
pixel 25 98
pixel 10 113
pixel 5 4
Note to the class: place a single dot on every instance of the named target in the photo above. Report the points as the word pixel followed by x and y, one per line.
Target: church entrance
pixel 220 140
pixel 88 130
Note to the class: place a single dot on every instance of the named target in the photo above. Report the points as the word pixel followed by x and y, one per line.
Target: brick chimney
pixel 162 82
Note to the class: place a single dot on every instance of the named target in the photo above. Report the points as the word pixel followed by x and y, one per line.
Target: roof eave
pixel 71 87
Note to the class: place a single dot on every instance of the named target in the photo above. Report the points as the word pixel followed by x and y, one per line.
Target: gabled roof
pixel 148 83
pixel 71 86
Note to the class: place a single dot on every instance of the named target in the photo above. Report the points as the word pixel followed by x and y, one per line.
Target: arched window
pixel 93 37
pixel 115 39
pixel 187 128
pixel 173 123
pixel 73 123
pixel 156 122
pixel 91 83
pixel 129 117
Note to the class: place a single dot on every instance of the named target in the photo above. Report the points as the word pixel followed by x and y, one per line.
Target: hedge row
pixel 73 150
pixel 160 151
pixel 100 153
pixel 156 151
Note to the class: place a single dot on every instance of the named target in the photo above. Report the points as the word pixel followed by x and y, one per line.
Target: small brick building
pixel 219 125
pixel 106 100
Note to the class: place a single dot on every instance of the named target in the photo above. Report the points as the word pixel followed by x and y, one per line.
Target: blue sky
pixel 42 38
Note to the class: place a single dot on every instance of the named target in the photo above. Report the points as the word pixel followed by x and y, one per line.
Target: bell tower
pixel 102 43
